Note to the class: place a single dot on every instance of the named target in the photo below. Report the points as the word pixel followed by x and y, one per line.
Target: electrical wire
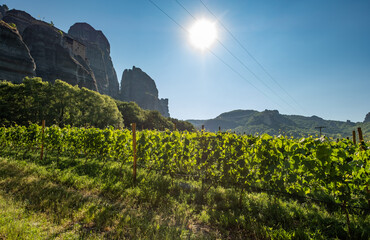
pixel 251 56
pixel 214 54
pixel 242 63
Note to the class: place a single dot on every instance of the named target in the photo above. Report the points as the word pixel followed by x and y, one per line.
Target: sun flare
pixel 202 34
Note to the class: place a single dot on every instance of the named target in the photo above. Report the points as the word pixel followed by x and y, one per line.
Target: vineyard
pixel 332 173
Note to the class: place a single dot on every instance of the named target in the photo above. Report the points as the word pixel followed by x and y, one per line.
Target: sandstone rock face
pixel 98 57
pixel 15 59
pixel 20 18
pixel 138 87
pixel 80 57
pixel 54 60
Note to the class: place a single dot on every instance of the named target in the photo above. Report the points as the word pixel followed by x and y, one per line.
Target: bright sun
pixel 203 33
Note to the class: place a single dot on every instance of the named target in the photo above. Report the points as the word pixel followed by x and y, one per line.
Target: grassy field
pixel 64 198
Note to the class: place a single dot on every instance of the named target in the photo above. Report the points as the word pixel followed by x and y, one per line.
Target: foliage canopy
pixel 62 104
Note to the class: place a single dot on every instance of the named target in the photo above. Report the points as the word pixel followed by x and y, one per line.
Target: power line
pixel 173 20
pixel 185 9
pixel 250 55
pixel 214 54
pixel 242 63
pixel 240 75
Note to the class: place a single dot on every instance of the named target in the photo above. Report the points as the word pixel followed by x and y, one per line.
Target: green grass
pixel 17 223
pixel 79 199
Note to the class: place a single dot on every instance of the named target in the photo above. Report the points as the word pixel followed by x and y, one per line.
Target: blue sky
pixel 318 51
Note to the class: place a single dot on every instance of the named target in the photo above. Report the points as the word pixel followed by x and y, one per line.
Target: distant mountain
pixel 274 123
pixel 367 118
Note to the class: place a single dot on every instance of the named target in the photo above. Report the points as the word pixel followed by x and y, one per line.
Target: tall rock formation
pixel 55 56
pixel 98 57
pixel 81 57
pixel 15 59
pixel 139 87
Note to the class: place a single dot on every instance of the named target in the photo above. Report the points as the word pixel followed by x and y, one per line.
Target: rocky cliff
pixel 15 59
pixel 50 48
pixel 80 57
pixel 54 60
pixel 98 56
pixel 139 87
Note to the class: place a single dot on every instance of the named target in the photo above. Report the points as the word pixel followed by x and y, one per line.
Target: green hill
pixel 274 123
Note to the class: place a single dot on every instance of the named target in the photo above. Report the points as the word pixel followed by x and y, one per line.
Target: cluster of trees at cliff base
pixel 62 104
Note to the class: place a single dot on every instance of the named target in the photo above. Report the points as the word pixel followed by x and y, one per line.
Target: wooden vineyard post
pixel 134 149
pixel 354 137
pixel 42 140
pixel 174 126
pixel 202 127
pixel 360 137
pixel 219 128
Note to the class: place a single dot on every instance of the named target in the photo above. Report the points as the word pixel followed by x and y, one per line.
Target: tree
pixel 36 94
pixel 131 113
pixel 182 125
pixel 58 103
pixel 154 120
pixel 11 103
pixel 110 115
pixel 63 110
pixel 97 110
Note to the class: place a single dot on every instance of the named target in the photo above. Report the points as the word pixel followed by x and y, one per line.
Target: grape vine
pixel 303 167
